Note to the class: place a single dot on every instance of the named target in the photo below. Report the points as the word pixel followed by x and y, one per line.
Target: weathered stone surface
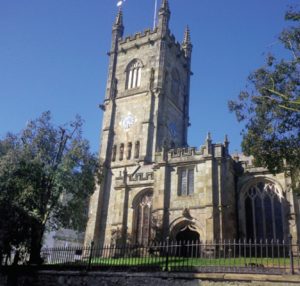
pixel 155 115
pixel 52 278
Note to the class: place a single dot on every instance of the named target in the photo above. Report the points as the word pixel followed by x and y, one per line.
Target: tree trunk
pixel 37 232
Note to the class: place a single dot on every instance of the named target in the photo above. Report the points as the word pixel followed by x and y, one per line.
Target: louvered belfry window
pixel 134 74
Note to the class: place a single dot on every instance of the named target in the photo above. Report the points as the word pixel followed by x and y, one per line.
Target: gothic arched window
pixel 134 74
pixel 129 149
pixel 121 152
pixel 263 211
pixel 137 150
pixel 142 214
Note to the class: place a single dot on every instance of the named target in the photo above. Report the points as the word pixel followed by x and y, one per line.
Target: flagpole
pixel 155 14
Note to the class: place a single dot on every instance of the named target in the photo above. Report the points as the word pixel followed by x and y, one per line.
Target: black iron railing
pixel 269 257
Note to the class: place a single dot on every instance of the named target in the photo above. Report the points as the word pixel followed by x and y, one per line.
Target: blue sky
pixel 53 57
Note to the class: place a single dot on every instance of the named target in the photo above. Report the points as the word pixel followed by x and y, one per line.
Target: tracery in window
pixel 186 181
pixel 263 205
pixel 134 74
pixel 142 214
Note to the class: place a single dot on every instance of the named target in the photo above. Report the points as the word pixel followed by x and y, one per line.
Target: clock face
pixel 128 121
pixel 172 129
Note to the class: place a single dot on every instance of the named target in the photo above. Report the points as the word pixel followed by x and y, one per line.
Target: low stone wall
pixel 76 278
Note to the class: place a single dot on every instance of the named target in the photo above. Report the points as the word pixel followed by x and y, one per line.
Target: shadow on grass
pixel 173 264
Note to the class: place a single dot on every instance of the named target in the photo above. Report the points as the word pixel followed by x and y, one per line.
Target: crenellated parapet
pixel 207 151
pixel 147 37
pixel 247 165
pixel 139 35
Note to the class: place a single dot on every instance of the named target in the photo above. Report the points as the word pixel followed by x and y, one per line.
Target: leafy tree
pixel 270 107
pixel 46 176
pixel 14 230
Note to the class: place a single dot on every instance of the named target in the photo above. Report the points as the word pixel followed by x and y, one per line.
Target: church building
pixel 155 186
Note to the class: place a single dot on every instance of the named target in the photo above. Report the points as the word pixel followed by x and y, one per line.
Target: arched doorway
pixel 187 240
pixel 187 234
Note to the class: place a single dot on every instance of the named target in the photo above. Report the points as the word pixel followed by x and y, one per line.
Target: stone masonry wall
pixel 55 278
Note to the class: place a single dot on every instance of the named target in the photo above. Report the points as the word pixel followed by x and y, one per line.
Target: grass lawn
pixel 175 262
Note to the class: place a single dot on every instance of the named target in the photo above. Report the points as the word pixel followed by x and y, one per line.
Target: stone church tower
pixel 154 186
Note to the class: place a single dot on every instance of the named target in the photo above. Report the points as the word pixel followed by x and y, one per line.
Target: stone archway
pixel 187 234
pixel 182 223
pixel 186 238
